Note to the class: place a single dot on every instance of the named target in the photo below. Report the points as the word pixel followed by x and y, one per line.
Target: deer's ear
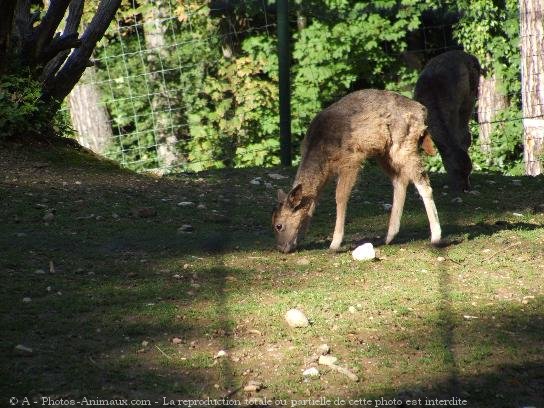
pixel 281 196
pixel 427 144
pixel 294 197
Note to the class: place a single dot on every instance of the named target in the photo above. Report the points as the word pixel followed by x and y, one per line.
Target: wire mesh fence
pixel 193 85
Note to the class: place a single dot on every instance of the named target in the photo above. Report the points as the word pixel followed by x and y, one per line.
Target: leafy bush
pixel 20 105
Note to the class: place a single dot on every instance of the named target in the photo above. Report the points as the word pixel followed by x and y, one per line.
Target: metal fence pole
pixel 284 81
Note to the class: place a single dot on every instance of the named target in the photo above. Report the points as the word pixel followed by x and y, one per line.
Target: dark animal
pixel 368 123
pixel 448 88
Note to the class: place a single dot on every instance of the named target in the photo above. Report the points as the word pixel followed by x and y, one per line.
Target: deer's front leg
pixel 346 180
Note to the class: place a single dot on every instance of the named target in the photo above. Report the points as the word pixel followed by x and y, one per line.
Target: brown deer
pixel 448 88
pixel 363 124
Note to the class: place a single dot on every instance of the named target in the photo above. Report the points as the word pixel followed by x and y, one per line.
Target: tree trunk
pixel 532 84
pixel 6 22
pixel 161 102
pixel 490 102
pixel 89 117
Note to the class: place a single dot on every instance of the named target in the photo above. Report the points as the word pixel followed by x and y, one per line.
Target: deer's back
pixel 448 79
pixel 363 124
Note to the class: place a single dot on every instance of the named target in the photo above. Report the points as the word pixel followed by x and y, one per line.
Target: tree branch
pixel 61 85
pixel 43 34
pixel 60 43
pixel 75 11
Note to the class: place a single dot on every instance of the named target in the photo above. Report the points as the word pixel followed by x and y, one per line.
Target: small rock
pixel 145 343
pixel 387 207
pixel 22 348
pixel 469 317
pixel 256 181
pixel 515 214
pixel 27 300
pixel 177 340
pixel 457 200
pixel 440 259
pixel 311 372
pixel 39 272
pixel 295 318
pixel 186 204
pixel 186 228
pixel 201 206
pixel 253 386
pixel 221 354
pixel 474 192
pixel 115 216
pixel 352 309
pixel 303 261
pixel 364 252
pixel 268 185
pixel 323 349
pixel 48 217
pixel 327 360
pixel 276 176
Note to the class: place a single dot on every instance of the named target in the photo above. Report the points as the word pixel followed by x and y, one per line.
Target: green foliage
pixel 21 110
pixel 221 74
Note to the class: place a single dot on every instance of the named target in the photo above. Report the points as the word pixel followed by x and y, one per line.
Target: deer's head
pixel 291 218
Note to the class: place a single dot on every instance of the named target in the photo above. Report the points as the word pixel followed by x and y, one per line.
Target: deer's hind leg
pixel 400 184
pixel 347 176
pixel 423 185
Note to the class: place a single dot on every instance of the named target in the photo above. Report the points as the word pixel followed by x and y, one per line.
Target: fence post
pixel 284 81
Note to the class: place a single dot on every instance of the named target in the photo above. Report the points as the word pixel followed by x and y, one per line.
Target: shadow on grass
pixel 76 335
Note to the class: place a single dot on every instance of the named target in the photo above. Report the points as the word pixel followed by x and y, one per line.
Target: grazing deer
pixel 363 124
pixel 448 87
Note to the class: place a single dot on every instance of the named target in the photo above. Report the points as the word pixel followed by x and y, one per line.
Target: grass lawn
pixel 116 302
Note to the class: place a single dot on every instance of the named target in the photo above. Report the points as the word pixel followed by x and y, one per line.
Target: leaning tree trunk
pixel 89 116
pixel 490 102
pixel 532 84
pixel 161 102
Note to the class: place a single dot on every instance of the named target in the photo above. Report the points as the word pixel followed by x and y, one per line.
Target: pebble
pixel 186 228
pixel 457 200
pixel 295 318
pixel 387 207
pixel 253 386
pixel 48 217
pixel 276 176
pixel 352 309
pixel 177 340
pixel 303 261
pixel 24 349
pixel 311 372
pixel 201 206
pixel 327 360
pixel 440 259
pixel 27 300
pixel 323 349
pixel 221 354
pixel 186 204
pixel 364 252
pixel 256 181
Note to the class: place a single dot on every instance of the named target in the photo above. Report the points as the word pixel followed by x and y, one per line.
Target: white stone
pixel 276 176
pixel 295 318
pixel 327 360
pixel 186 204
pixel 387 207
pixel 457 200
pixel 311 372
pixel 221 354
pixel 364 252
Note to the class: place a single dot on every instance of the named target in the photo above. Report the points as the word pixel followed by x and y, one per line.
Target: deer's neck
pixel 312 176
